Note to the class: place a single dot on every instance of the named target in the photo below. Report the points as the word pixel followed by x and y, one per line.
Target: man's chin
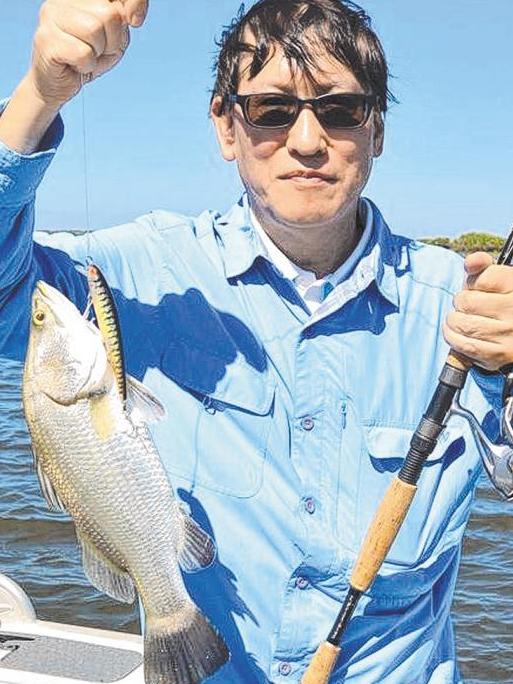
pixel 303 219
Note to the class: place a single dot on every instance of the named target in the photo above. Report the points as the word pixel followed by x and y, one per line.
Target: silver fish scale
pixel 115 489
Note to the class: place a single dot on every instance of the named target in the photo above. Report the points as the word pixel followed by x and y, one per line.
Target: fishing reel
pixel 497 458
pixel 506 425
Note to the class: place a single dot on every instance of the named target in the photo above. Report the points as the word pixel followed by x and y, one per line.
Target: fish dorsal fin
pixel 142 400
pixel 196 549
pixel 53 500
pixel 103 574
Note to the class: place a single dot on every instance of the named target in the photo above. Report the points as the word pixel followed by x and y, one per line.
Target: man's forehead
pixel 324 74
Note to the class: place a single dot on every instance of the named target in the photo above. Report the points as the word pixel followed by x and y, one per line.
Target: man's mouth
pixel 308 177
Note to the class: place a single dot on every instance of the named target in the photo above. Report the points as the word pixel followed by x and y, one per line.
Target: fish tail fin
pixel 182 649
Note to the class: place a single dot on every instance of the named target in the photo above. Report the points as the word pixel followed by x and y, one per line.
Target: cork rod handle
pixel 322 664
pixel 381 534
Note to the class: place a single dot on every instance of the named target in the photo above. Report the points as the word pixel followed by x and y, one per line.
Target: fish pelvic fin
pixel 182 649
pixel 196 549
pixel 141 400
pixel 104 574
pixel 49 492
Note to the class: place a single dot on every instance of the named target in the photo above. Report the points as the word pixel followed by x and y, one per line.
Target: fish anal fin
pixel 196 549
pixel 104 574
pixel 49 492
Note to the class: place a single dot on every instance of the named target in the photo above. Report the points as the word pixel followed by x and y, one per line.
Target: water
pixel 39 551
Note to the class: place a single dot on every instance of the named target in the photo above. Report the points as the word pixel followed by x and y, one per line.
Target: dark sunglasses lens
pixel 270 111
pixel 342 111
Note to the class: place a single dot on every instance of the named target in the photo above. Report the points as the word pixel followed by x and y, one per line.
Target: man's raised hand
pixel 78 40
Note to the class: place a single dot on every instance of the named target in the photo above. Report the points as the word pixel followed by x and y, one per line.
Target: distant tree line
pixel 469 242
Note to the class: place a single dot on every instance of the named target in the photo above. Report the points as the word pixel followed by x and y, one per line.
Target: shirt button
pixel 310 506
pixel 302 583
pixel 307 423
pixel 285 669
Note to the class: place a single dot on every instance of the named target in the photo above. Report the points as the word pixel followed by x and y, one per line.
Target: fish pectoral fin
pixel 145 402
pixel 104 574
pixel 49 492
pixel 196 549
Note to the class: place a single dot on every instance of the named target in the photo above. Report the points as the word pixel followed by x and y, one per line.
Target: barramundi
pixel 95 459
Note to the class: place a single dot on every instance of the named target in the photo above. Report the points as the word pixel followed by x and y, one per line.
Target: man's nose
pixel 307 137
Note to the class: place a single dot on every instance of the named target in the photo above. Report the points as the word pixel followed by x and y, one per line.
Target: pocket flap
pixel 237 383
pixel 387 447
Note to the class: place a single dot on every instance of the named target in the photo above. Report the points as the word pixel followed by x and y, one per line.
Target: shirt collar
pixel 241 245
pixel 239 242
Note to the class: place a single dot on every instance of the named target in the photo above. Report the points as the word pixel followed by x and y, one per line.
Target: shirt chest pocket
pixel 434 524
pixel 217 440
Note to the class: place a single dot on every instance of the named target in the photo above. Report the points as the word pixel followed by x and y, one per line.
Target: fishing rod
pixel 396 502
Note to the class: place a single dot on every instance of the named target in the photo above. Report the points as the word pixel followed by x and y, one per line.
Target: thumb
pixel 475 264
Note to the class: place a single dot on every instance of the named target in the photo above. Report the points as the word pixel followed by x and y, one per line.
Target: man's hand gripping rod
pixel 396 502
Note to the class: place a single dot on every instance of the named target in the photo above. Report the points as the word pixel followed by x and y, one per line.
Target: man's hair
pixel 303 29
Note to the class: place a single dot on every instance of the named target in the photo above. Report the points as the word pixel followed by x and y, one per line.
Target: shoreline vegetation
pixel 469 242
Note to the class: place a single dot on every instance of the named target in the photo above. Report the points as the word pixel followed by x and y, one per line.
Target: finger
pixel 485 354
pixel 115 26
pixel 494 278
pixel 480 327
pixel 76 22
pixel 107 62
pixel 99 24
pixel 135 11
pixel 67 50
pixel 477 262
pixel 489 304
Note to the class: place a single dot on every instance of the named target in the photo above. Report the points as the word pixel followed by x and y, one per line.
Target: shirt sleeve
pixel 20 176
pixel 22 261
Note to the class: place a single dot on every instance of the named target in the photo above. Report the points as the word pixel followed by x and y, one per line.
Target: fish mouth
pixel 48 297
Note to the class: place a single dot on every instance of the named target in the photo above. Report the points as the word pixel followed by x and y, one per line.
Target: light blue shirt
pixel 284 428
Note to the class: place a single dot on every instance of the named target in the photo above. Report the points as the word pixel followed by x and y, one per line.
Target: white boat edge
pixel 17 616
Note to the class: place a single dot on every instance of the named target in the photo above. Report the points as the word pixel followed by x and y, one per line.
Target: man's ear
pixel 223 121
pixel 379 134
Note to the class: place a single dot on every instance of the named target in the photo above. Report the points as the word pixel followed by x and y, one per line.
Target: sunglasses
pixel 277 110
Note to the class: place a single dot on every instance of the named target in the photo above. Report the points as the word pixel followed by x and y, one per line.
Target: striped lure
pixel 108 323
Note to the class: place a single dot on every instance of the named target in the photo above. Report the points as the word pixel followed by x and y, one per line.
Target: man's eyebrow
pixel 290 89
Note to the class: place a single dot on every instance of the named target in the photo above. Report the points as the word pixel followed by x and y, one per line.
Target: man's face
pixel 306 174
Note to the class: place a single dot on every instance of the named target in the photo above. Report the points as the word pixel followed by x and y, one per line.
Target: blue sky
pixel 447 166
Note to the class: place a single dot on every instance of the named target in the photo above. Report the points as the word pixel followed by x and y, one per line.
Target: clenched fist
pixel 481 325
pixel 78 40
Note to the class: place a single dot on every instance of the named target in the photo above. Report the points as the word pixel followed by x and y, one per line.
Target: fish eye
pixel 39 317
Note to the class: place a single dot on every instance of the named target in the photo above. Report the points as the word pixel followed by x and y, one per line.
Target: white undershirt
pixel 311 289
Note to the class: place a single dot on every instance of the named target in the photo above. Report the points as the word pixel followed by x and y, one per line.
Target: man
pixel 295 340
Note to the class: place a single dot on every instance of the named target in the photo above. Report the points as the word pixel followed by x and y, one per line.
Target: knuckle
pixel 469 348
pixel 461 301
pixel 107 13
pixel 93 25
pixel 84 54
pixel 451 320
pixel 40 37
pixel 44 12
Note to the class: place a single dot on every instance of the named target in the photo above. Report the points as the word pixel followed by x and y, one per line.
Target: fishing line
pixel 84 79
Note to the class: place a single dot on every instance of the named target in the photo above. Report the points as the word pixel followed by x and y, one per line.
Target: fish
pixel 96 460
